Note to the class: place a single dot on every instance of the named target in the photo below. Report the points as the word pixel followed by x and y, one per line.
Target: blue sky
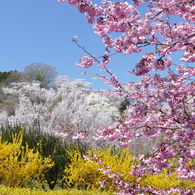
pixel 42 30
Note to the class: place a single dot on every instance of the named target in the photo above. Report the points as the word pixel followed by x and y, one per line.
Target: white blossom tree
pixel 70 108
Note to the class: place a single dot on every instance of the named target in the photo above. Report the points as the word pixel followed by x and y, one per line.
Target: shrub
pixel 110 169
pixel 83 173
pixel 166 181
pixel 19 164
pixel 52 146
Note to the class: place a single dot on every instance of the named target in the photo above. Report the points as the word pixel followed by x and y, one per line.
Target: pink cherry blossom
pixel 86 62
pixel 162 102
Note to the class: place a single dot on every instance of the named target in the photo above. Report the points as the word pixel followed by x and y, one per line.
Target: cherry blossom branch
pixel 105 57
pixel 175 4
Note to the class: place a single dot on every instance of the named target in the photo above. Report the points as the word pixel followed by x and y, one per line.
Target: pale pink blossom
pixel 86 62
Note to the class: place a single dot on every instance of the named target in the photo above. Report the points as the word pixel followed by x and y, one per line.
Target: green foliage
pixel 4 75
pixel 55 147
pixel 6 78
pixel 123 106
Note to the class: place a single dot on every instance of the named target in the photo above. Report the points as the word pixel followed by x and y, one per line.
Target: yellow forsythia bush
pixel 82 173
pixel 20 164
pixel 89 173
pixel 165 180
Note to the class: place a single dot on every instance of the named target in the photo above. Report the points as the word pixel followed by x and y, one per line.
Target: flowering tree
pixel 33 107
pixel 81 110
pixel 163 104
pixel 68 109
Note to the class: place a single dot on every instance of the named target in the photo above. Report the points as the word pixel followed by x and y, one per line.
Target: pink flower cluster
pixel 85 62
pixel 162 104
pixel 136 33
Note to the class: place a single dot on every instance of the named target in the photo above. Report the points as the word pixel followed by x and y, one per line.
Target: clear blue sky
pixel 41 31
